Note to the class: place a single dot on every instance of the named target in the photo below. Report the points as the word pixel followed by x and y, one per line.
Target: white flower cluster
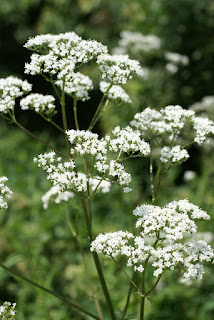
pixel 58 55
pixel 129 141
pixel 170 121
pixel 175 155
pixel 177 58
pixel 55 193
pixel 203 128
pixel 205 104
pixel 7 311
pixel 165 240
pixel 61 174
pixel 174 60
pixel 10 89
pixel 88 145
pixel 137 42
pixel 189 175
pixel 116 93
pixel 5 193
pixel 77 86
pixel 85 143
pixel 126 141
pixel 39 103
pixel 118 69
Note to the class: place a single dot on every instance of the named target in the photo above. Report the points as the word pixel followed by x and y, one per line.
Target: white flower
pixel 39 103
pixel 59 54
pixel 177 58
pixel 115 93
pixel 203 128
pixel 7 310
pixel 206 103
pixel 77 86
pixel 166 241
pixel 137 42
pixel 10 89
pixel 59 196
pixel 129 141
pixel 171 67
pixel 189 175
pixel 175 155
pixel 119 68
pixel 5 193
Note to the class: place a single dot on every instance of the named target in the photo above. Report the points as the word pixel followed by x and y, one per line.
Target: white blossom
pixel 10 89
pixel 171 67
pixel 129 141
pixel 206 104
pixel 118 69
pixel 7 311
pixel 137 42
pixel 177 58
pixel 189 175
pixel 175 155
pixel 203 128
pixel 115 92
pixel 77 86
pixel 54 192
pixel 170 121
pixel 166 241
pixel 39 103
pixel 58 55
pixel 5 193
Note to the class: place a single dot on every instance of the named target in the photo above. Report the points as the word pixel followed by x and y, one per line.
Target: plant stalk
pixel 73 304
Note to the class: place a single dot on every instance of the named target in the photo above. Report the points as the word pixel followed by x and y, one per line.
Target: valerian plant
pixel 165 237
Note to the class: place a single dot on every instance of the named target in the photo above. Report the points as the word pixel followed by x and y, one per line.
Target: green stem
pixel 52 122
pixel 99 110
pixel 157 182
pixel 38 139
pixel 154 286
pixel 103 285
pixel 75 234
pixel 128 298
pixel 126 274
pixel 75 114
pixel 151 179
pixel 6 118
pixel 88 217
pixel 64 118
pixel 73 304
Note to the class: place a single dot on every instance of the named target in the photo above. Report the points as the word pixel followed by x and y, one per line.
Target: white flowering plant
pixel 165 237
pixel 7 311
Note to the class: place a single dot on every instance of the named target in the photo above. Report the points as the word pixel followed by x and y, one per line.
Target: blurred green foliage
pixel 38 242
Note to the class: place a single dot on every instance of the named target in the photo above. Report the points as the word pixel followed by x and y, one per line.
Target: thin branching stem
pixel 128 297
pixel 126 274
pixel 52 122
pixel 99 110
pixel 154 286
pixel 75 115
pixel 75 233
pixel 71 303
pixel 88 217
pixel 151 179
pixel 64 117
pixel 39 139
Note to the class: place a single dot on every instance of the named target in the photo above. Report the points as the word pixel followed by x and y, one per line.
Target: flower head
pixel 5 193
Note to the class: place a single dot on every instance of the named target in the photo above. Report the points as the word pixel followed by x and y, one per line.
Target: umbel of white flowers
pixel 5 193
pixel 56 57
pixel 86 144
pixel 165 240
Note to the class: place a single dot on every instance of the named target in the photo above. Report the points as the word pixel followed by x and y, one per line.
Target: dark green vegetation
pixel 37 242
